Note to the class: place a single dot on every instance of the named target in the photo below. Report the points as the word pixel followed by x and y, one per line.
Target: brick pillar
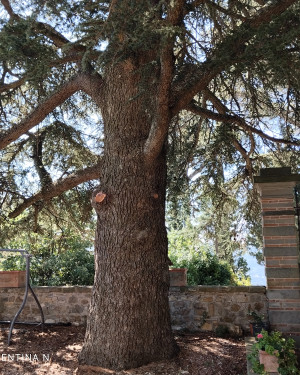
pixel 281 248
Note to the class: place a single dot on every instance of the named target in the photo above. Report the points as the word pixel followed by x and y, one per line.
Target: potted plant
pixel 12 273
pixel 178 276
pixel 257 323
pixel 273 353
pixel 12 279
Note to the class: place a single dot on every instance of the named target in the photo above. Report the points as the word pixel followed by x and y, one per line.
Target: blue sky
pixel 257 271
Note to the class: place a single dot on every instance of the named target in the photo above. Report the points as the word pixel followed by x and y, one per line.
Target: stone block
pixel 61 298
pixel 19 299
pixel 3 308
pixel 211 289
pixel 199 305
pixel 228 318
pixel 283 241
pixel 279 172
pixel 174 289
pixel 280 231
pixel 50 321
pixel 181 308
pixel 283 283
pixel 211 309
pixel 207 326
pixel 73 299
pixel 35 309
pixel 273 220
pixel 281 251
pixel 294 304
pixel 85 302
pixel 235 307
pixel 289 294
pixel 77 309
pixel 258 289
pixel 283 273
pixel 242 298
pixel 288 317
pixel 83 289
pixel 258 306
pixel 64 290
pixel 271 262
pixel 207 299
pixel 268 190
pixel 294 328
pixel 199 312
pixel 274 304
pixel 291 262
pixel 276 207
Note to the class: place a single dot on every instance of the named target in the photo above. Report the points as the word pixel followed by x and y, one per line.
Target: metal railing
pixel 28 287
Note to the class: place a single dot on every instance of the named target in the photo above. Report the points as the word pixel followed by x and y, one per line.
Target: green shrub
pixel 55 261
pixel 205 269
pixel 75 267
pixel 212 271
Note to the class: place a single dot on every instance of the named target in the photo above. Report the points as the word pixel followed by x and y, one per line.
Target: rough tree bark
pixel 129 320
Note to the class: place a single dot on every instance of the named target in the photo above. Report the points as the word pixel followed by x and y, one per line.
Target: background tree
pixel 146 65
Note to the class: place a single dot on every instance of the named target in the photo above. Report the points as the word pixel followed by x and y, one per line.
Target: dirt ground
pixel 55 351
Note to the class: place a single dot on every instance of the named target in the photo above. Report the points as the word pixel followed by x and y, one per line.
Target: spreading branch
pixel 234 47
pixel 9 9
pixel 37 156
pixel 12 85
pixel 88 83
pixel 237 120
pixel 239 147
pixel 59 187
pixel 47 30
pixel 246 156
pixel 160 126
pixel 57 38
pixel 91 83
pixel 41 111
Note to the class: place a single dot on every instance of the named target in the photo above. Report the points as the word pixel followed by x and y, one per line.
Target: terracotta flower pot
pixel 12 279
pixel 269 361
pixel 178 276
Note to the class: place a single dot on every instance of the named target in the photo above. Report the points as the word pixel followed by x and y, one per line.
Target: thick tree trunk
pixel 129 321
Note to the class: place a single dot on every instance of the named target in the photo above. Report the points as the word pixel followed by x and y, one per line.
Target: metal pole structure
pixel 27 256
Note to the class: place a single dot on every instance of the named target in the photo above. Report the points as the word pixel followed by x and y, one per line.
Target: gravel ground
pixel 55 351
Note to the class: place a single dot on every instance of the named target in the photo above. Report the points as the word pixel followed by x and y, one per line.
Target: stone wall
pixel 207 307
pixel 192 308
